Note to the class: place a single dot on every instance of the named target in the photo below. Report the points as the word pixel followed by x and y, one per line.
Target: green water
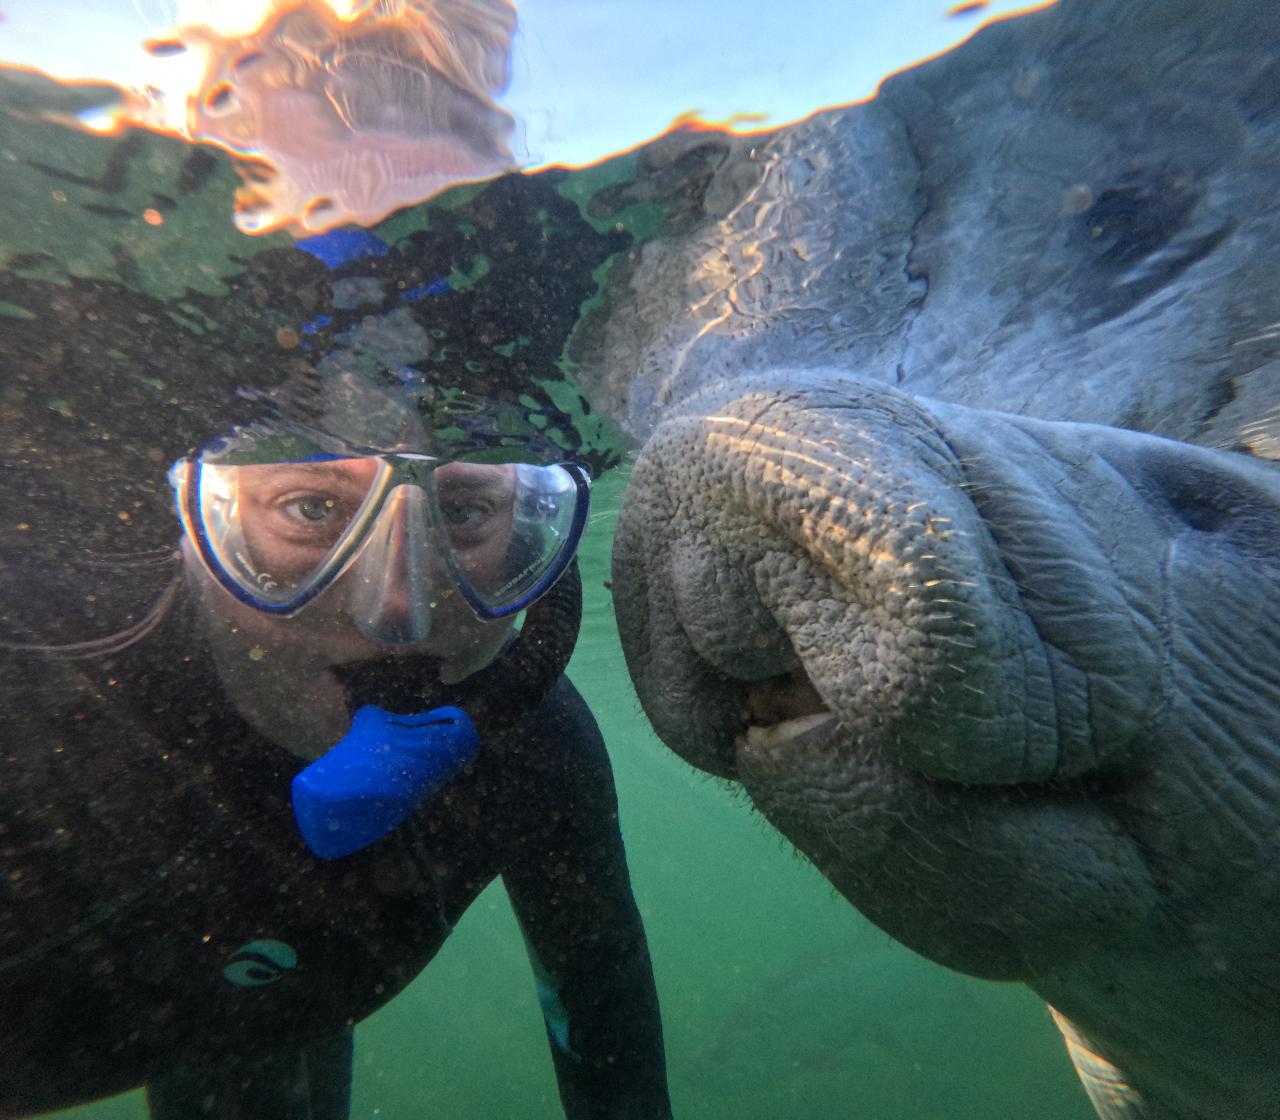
pixel 779 1000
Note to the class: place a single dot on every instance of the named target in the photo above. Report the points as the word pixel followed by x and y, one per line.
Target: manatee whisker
pixel 950 640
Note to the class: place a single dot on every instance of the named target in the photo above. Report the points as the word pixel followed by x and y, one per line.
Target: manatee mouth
pixel 781 710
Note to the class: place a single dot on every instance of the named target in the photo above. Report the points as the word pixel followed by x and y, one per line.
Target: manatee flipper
pixel 1111 1095
pixel 309 1084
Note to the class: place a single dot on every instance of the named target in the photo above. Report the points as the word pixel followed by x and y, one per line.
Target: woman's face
pixel 278 671
pixel 293 515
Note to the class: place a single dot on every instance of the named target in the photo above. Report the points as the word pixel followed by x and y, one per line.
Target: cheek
pixel 454 625
pixel 482 563
pixel 467 645
pixel 288 557
pixel 269 555
pixel 320 631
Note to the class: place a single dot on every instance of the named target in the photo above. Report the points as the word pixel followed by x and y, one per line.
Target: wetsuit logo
pixel 260 962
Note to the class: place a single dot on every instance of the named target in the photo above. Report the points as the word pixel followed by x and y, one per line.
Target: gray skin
pixel 955 538
pixel 1071 216
pixel 1010 684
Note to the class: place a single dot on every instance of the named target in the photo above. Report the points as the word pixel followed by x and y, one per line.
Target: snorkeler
pixel 236 832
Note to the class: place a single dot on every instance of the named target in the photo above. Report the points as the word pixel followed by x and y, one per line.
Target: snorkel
pixel 389 762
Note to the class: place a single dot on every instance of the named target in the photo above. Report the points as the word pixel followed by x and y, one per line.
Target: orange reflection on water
pixel 342 111
pixel 338 119
pixel 691 120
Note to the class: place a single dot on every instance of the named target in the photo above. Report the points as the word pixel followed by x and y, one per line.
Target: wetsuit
pixel 162 923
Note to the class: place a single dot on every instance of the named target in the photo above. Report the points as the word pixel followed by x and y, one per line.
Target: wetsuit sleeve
pixel 572 895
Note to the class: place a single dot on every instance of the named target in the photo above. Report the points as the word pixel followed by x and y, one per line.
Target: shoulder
pixel 560 728
pixel 565 707
pixel 558 748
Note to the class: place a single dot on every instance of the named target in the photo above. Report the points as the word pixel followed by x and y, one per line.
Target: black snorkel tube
pixel 411 734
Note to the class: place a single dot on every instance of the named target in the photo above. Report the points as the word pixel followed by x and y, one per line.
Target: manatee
pixel 955 535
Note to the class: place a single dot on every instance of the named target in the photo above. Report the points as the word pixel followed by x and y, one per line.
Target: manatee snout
pixel 846 550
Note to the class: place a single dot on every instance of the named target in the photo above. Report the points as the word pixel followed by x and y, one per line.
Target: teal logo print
pixel 260 962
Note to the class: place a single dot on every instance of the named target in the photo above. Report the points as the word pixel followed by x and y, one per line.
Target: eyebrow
pixel 473 483
pixel 327 469
pixel 471 487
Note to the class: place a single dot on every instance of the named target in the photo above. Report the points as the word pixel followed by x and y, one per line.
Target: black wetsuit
pixel 162 923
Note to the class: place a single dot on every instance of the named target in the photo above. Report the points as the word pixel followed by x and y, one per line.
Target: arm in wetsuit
pixel 550 821
pixel 571 892
pixel 145 994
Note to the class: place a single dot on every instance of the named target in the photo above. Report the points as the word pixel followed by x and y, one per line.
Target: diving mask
pixel 403 529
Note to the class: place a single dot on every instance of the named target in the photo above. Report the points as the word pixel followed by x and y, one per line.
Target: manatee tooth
pixel 779 734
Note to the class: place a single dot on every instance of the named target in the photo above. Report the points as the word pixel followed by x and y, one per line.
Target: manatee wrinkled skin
pixel 956 536
pixel 1048 654
pixel 1069 197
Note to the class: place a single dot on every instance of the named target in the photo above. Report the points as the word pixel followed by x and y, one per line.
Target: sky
pixel 589 77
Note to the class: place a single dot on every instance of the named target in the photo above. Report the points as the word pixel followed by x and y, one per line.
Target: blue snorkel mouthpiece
pixel 377 774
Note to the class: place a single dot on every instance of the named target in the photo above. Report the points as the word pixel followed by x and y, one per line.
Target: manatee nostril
pixel 1195 495
pixel 1202 517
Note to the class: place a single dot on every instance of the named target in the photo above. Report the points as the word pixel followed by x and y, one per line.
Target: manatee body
pixel 1010 684
pixel 956 540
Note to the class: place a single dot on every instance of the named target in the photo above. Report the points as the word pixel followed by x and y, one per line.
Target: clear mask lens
pixel 276 530
pixel 507 526
pixel 396 530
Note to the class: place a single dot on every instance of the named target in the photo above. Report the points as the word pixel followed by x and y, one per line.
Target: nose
pixel 391 584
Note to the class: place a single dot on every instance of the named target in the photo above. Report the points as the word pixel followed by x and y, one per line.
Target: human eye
pixel 311 508
pixel 311 518
pixel 468 513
